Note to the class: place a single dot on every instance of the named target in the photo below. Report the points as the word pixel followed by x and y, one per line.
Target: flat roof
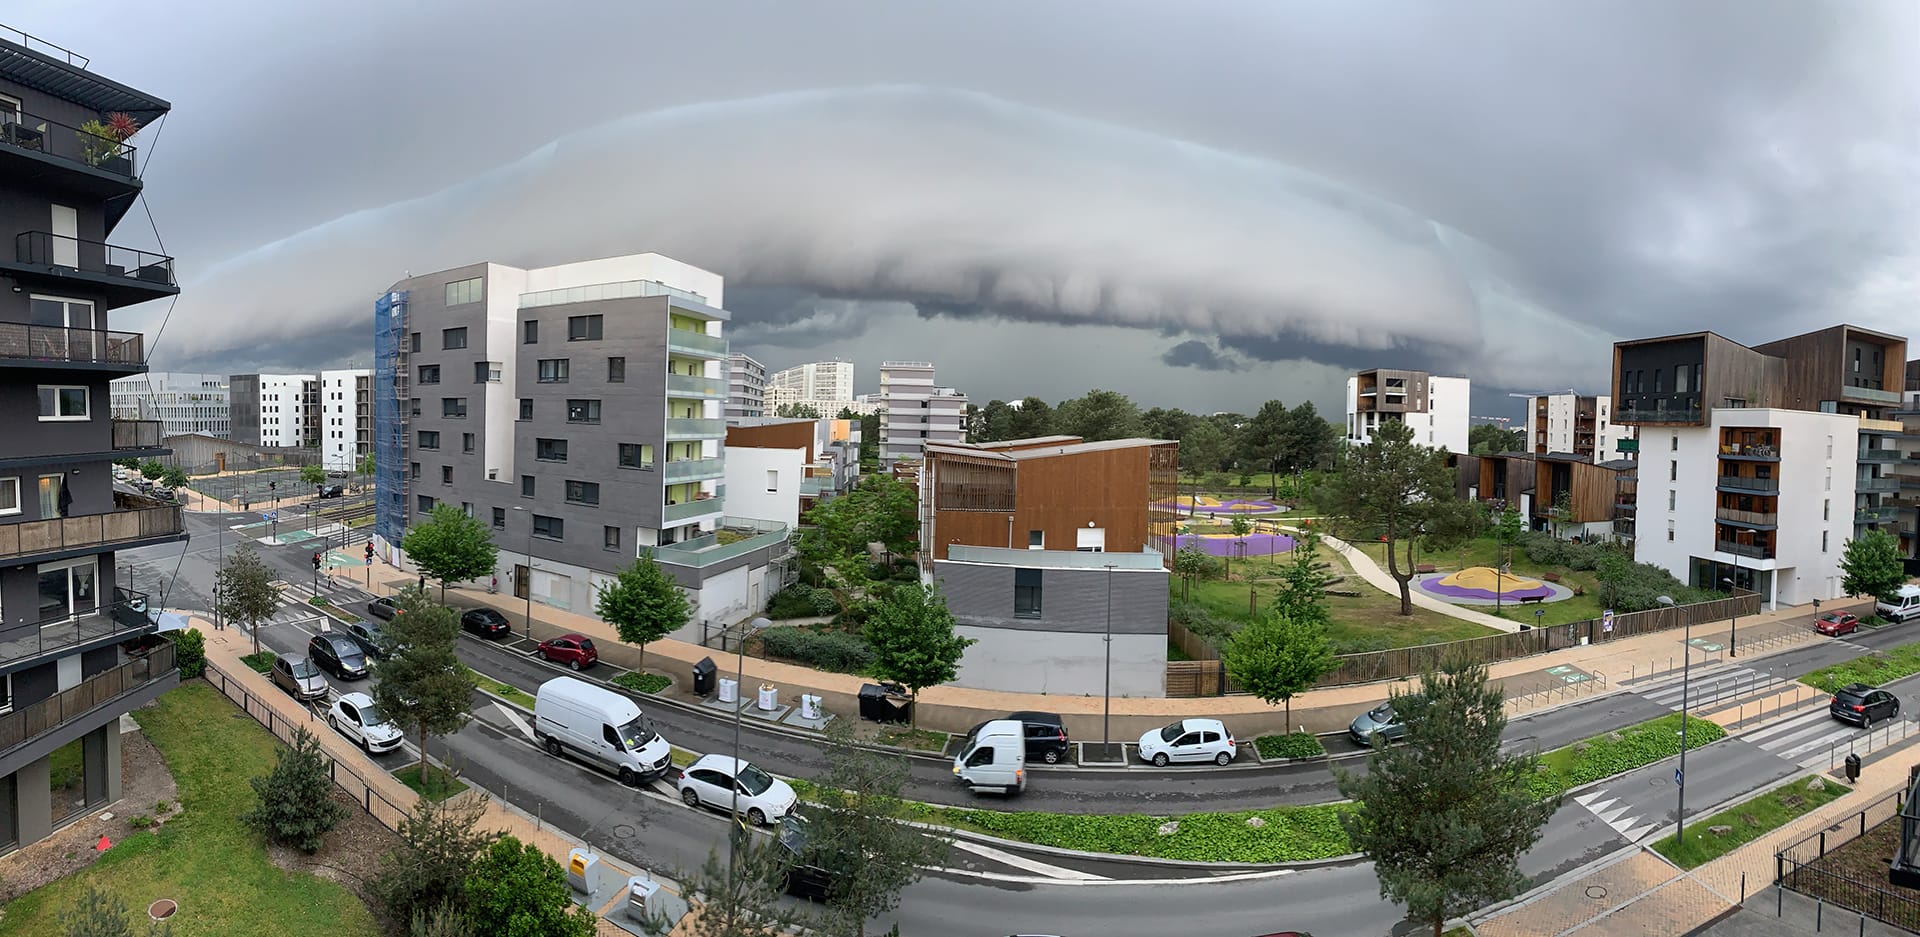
pixel 70 82
pixel 1047 452
pixel 1029 441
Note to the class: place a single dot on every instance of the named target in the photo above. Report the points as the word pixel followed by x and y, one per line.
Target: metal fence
pixel 1810 867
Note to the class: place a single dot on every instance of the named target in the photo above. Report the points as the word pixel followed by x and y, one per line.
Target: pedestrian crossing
pixel 1812 738
pixel 295 599
pixel 1616 812
pixel 1720 687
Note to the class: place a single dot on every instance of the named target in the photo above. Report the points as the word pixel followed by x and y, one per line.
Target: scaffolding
pixel 392 407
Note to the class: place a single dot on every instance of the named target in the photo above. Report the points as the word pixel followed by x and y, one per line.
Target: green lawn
pixel 1749 821
pixel 1874 669
pixel 1291 834
pixel 439 784
pixel 261 662
pixel 1602 756
pixel 216 868
pixel 922 740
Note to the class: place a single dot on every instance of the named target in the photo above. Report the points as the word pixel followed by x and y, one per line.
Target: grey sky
pixel 1201 205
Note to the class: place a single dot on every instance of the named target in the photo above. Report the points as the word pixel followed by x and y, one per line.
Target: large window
pixel 426 504
pixel 526 408
pixel 1026 593
pixel 453 408
pixel 429 374
pixel 9 495
pixel 583 328
pixel 583 411
pixel 636 455
pixel 554 370
pixel 58 402
pixel 550 450
pixel 530 331
pixel 552 528
pixel 429 439
pixel 67 588
pixel 580 492
pixel 60 312
pixel 453 338
pixel 610 537
pixel 67 780
pixel 500 518
pixel 463 291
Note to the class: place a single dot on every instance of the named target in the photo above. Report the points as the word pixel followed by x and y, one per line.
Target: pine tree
pixel 296 805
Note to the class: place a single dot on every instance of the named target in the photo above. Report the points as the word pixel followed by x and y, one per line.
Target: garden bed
pixel 1289 746
pixel 1874 669
pixel 1746 822
pixel 1618 752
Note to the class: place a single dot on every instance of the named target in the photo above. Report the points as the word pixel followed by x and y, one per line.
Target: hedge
pixel 1291 745
pixel 801 601
pixel 835 651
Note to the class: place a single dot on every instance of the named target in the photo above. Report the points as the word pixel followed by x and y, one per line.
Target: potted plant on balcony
pixel 103 143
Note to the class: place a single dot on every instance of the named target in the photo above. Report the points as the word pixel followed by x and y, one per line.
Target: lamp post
pixel 527 586
pixel 1686 662
pixel 1106 689
pixel 1733 634
pixel 739 703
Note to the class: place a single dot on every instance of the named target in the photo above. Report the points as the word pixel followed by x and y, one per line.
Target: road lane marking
pixel 1032 880
pixel 1022 862
pixel 518 722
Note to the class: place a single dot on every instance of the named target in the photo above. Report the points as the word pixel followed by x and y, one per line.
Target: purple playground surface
pixel 1234 506
pixel 1434 586
pixel 1229 545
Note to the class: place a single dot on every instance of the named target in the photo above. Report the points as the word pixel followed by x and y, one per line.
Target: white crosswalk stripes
pixel 1721 686
pixel 1806 738
pixel 1616 814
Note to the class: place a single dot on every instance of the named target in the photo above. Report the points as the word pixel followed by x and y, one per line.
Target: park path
pixel 1365 567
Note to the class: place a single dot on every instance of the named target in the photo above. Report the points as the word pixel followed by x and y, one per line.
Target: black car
pixel 486 623
pixel 339 655
pixel 367 635
pixel 332 491
pixel 1046 736
pixel 1863 705
pixel 383 608
pixel 799 876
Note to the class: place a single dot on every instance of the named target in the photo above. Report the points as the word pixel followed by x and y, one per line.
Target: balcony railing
pixel 690 385
pixel 1883 483
pixel 693 470
pixel 1762 518
pixel 41 248
pixel 1683 415
pixel 136 519
pixel 706 549
pixel 1757 453
pixel 73 346
pixel 688 510
pixel 138 434
pixel 1623 526
pixel 124 617
pixel 1743 549
pixel 32 721
pixel 66 142
pixel 1881 426
pixel 682 429
pixel 1749 484
pixel 696 343
pixel 1876 515
pixel 1870 393
pixel 1878 455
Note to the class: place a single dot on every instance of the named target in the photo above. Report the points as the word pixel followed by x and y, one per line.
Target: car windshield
pixel 755 781
pixel 370 715
pixel 635 735
pixel 305 668
pixel 586 644
pixel 1382 713
pixel 1172 732
pixel 1830 616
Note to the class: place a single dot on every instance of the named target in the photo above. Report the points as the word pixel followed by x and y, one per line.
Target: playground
pixel 1483 585
pixel 1230 545
pixel 1209 506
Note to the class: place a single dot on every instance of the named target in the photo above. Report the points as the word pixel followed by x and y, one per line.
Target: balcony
pixel 1871 394
pixel 1743 549
pixel 1742 483
pixel 1882 426
pixel 1681 415
pixel 1756 453
pixel 703 388
pixel 1876 515
pixel 30 137
pixel 38 719
pixel 138 434
pixel 687 429
pixel 1883 483
pixel 1878 455
pixel 1760 519
pixel 138 521
pixel 59 347
pixel 123 275
pixel 694 470
pixel 689 510
pixel 696 344
pixel 25 644
pixel 706 549
pixel 1623 526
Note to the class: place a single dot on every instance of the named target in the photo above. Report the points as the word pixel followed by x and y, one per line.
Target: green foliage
pixel 1548 550
pixel 1304 580
pixel 102 914
pixel 1195 618
pixel 430 782
pixel 1403 490
pixel 296 806
pixel 518 891
pixel 1870 565
pixel 451 546
pixel 1290 834
pixel 439 843
pixel 1490 438
pixel 189 652
pixel 1204 447
pixel 992 423
pixel 1446 814
pixel 835 651
pixel 129 463
pixel 1290 745
pixel 743 900
pixel 643 604
pixel 422 684
pixel 1510 526
pixel 1190 563
pixel 151 469
pixel 440 921
pixel 856 836
pixel 1034 417
pixel 313 474
pixel 1262 439
pixel 642 682
pixel 1307 441
pixel 1874 669
pixel 260 661
pixel 1626 586
pixel 1618 752
pixel 244 592
pixel 1099 415
pixel 172 477
pixel 1275 657
pixel 1749 821
pixel 801 600
pixel 913 640
pixel 797 411
pixel 880 510
pixel 367 464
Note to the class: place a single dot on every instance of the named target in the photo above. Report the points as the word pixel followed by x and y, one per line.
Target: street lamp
pixel 1686 661
pixel 1733 634
pixel 739 703
pixel 527 586
pixel 1106 690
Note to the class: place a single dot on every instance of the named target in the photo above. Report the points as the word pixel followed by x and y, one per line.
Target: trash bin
pixel 880 705
pixel 703 675
pixel 1853 767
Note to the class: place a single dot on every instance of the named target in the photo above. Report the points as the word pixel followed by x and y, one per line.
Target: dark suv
pixel 1863 705
pixel 1046 736
pixel 339 655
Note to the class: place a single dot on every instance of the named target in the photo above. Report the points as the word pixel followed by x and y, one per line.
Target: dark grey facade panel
pixel 1072 600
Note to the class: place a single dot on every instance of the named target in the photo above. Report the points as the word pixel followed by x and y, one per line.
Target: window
pixel 552 528
pixel 1673 470
pixel 426 504
pixel 1826 509
pixel 429 439
pixel 453 338
pixel 550 450
pixel 415 402
pixel 429 374
pixel 616 370
pixel 636 455
pixel 413 470
pixel 773 480
pixel 1026 593
pixel 583 328
pixel 463 291
pixel 610 537
pixel 453 408
pixel 446 474
pixel 530 332
pixel 486 372
pixel 1659 375
pixel 1823 541
pixel 9 496
pixel 526 486
pixel 466 442
pixel 466 507
pixel 1673 444
pixel 413 342
pixel 526 408
pixel 580 492
pixel 63 403
pixel 500 518
pixel 554 370
pixel 1670 496
pixel 1680 377
pixel 1669 531
pixel 583 411
pixel 1036 539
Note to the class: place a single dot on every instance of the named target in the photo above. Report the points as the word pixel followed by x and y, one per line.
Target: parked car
pixel 298 676
pixel 574 650
pixel 368 636
pixel 339 655
pixel 164 494
pixel 1863 705
pixel 332 491
pixel 485 622
pixel 142 645
pixel 601 727
pixel 337 473
pixel 120 475
pixel 1189 740
pixel 1381 720
pixel 1837 623
pixel 994 758
pixel 142 484
pixel 1046 735
pixel 713 780
pixel 800 873
pixel 1902 605
pixel 384 608
pixel 355 716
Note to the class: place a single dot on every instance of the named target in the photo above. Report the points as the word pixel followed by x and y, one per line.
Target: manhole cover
pixel 1596 891
pixel 623 831
pixel 162 909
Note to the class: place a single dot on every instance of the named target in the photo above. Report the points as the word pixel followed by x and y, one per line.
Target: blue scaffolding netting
pixel 390 396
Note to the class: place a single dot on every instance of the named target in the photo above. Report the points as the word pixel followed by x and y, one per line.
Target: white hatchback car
pixel 713 780
pixel 354 716
pixel 1189 740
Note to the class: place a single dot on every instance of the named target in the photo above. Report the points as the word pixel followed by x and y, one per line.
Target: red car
pixel 1837 623
pixel 574 650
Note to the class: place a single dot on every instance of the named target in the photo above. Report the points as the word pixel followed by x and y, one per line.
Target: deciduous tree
pixel 880 510
pixel 1099 415
pixel 1489 438
pixel 913 640
pixel 1190 563
pixel 1204 447
pixel 797 411
pixel 296 806
pixel 995 422
pixel 244 592
pixel 744 900
pixel 1307 442
pixel 515 889
pixel 1402 490
pixel 1275 657
pixel 313 475
pixel 1263 439
pixel 643 603
pixel 421 683
pixel 173 477
pixel 1870 565
pixel 451 546
pixel 1034 417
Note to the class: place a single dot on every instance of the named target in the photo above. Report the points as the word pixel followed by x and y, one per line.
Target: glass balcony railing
pixel 694 470
pixel 682 429
pixel 1878 455
pixel 1749 484
pixel 703 388
pixel 1751 518
pixel 1681 415
pixel 1743 549
pixel 688 510
pixel 123 618
pixel 65 142
pixel 52 343
pixel 135 520
pixel 698 344
pixel 1876 515
pixel 1762 452
pixel 1883 483
pixel 43 249
pixel 1869 393
pixel 706 549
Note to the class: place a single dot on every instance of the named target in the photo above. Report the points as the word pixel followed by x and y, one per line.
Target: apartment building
pixel 778 469
pixel 64 682
pixel 1435 407
pixel 345 418
pixel 1559 492
pixel 1043 547
pixel 1758 464
pixel 578 409
pixel 183 403
pixel 915 413
pixel 1577 424
pixel 1907 471
pixel 746 387
pixel 275 410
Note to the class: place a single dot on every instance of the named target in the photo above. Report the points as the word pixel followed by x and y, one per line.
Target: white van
pixel 599 726
pixel 1904 604
pixel 995 758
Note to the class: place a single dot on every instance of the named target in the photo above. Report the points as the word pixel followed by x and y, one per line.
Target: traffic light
pixel 316 561
pixel 369 552
pixel 273 486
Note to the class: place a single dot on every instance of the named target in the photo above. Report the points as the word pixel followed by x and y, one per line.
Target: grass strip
pixel 1618 752
pixel 261 662
pixel 920 740
pixel 1874 669
pixel 439 784
pixel 641 682
pixel 1748 821
pixel 1290 745
pixel 512 695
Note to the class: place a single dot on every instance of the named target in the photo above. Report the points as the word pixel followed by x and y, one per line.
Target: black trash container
pixel 1853 768
pixel 703 677
pixel 880 705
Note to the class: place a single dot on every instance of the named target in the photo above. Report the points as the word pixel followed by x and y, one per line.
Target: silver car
pixel 298 676
pixel 1381 721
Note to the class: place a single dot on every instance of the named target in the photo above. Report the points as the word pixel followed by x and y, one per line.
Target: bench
pixel 1532 599
pixel 1423 568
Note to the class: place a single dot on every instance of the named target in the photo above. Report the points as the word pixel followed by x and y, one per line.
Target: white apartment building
pixel 280 410
pixel 746 387
pixel 1435 407
pixel 1582 425
pixel 915 413
pixel 346 418
pixel 826 386
pixel 182 402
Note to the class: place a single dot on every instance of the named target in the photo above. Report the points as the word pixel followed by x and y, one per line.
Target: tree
pixel 1404 491
pixel 1446 814
pixel 519 891
pixel 1870 565
pixel 172 477
pixel 99 914
pixel 797 411
pixel 189 652
pixel 367 464
pixel 1204 447
pixel 1172 423
pixel 744 900
pixel 151 469
pixel 1307 442
pixel 913 640
pixel 1561 511
pixel 244 592
pixel 857 836
pixel 451 546
pixel 1241 527
pixel 995 422
pixel 439 843
pixel 1490 438
pixel 1263 439
pixel 643 604
pixel 1101 414
pixel 313 474
pixel 1033 417
pixel 1275 657
pixel 880 509
pixel 421 683
pixel 1304 581
pixel 1190 563
pixel 296 806
pixel 440 921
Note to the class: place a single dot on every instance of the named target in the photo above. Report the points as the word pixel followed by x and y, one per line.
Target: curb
pixel 1014 845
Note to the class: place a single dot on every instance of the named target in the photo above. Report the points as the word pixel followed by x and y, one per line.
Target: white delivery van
pixel 1902 605
pixel 995 758
pixel 600 727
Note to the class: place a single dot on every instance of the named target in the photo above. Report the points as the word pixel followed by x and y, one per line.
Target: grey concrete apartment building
pixel 64 681
pixel 916 413
pixel 578 410
pixel 746 387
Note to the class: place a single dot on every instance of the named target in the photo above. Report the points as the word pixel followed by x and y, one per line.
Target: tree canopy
pixel 1034 417
pixel 797 411
pixel 313 474
pixel 422 684
pixel 1870 565
pixel 1276 656
pixel 1098 415
pixel 1401 491
pixel 913 640
pixel 643 603
pixel 1489 438
pixel 244 592
pixel 451 546
pixel 880 509
pixel 516 889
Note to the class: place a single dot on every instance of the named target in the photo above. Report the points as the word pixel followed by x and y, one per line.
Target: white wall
pixel 746 478
pixel 338 412
pixel 630 267
pixel 1449 400
pixel 1062 663
pixel 281 412
pixel 500 403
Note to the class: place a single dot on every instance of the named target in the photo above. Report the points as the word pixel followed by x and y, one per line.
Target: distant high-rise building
pixel 1577 424
pixel 1435 407
pixel 275 410
pixel 345 418
pixel 815 380
pixel 916 413
pixel 746 387
pixel 183 403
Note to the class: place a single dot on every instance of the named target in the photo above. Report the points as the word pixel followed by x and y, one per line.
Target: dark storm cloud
pixel 1194 353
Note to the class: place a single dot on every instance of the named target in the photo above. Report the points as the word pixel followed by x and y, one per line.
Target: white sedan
pixel 714 779
pixel 1189 740
pixel 355 716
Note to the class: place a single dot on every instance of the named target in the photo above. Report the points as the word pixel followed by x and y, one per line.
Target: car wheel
pixel 1051 757
pixel 543 656
pixel 553 746
pixel 574 663
pixel 333 722
pixel 1160 759
pixel 756 816
pixel 1223 759
pixel 627 776
pixel 692 799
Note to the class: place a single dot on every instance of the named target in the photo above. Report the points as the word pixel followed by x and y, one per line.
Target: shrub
pixel 296 805
pixel 801 601
pixel 642 682
pixel 189 652
pixel 261 662
pixel 140 822
pixel 1197 619
pixel 836 651
pixel 1291 745
pixel 1626 586
pixel 854 618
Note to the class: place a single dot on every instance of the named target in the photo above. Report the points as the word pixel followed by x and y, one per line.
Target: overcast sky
pixel 1200 205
